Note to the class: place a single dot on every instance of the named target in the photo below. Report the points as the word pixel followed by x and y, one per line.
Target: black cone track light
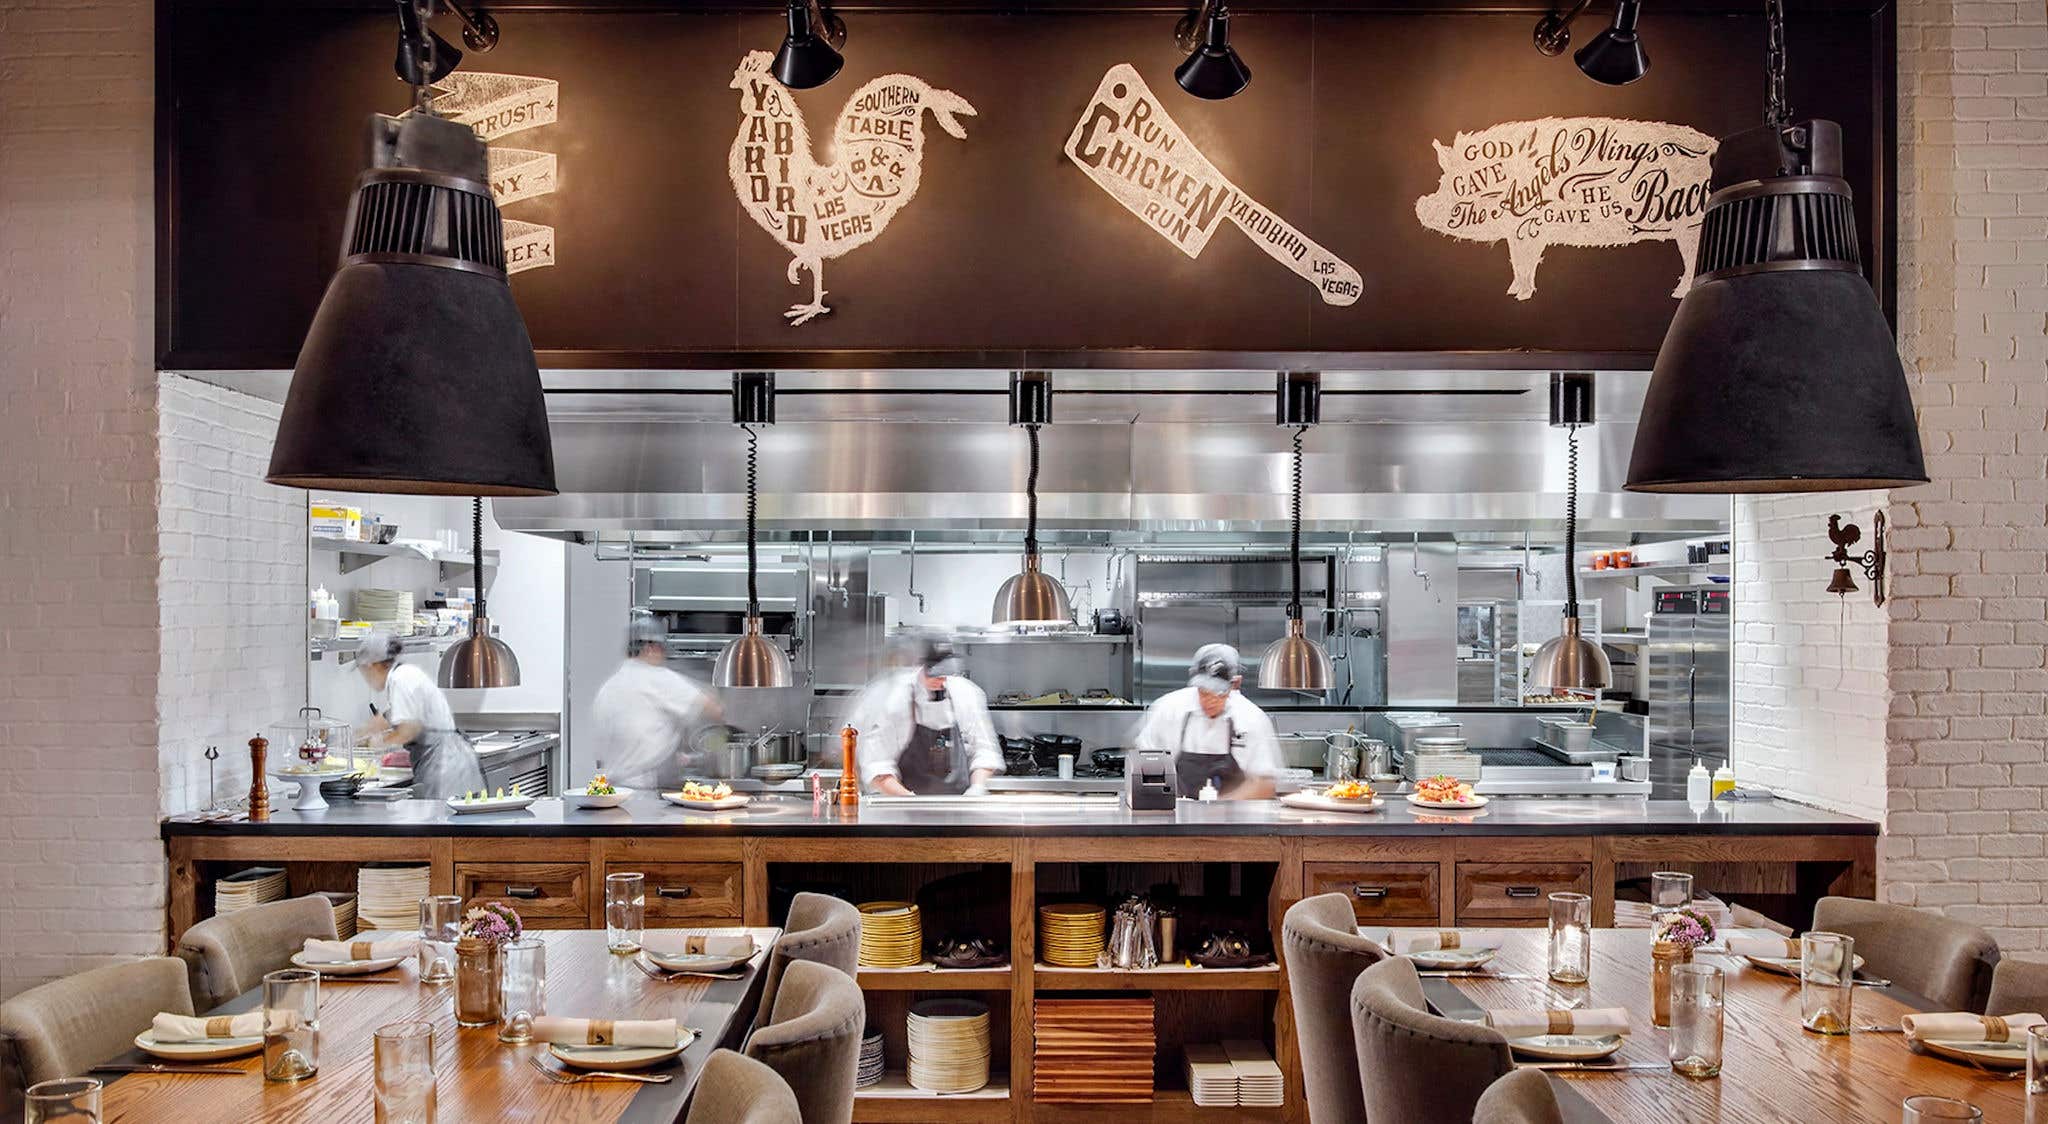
pixel 1615 57
pixel 417 375
pixel 1212 69
pixel 809 55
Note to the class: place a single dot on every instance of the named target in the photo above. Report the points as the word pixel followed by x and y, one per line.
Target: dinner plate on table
pixel 1566 1047
pixel 621 1057
pixel 1785 965
pixel 1317 802
pixel 209 1050
pixel 1993 1055
pixel 688 962
pixel 347 967
pixel 1452 959
pixel 1476 802
pixel 461 807
pixel 585 799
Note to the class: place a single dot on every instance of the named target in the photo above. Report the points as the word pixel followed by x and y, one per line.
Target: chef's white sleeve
pixel 880 716
pixel 977 726
pixel 1152 729
pixel 1260 755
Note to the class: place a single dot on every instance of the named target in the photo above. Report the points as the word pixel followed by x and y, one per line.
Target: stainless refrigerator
pixel 1688 687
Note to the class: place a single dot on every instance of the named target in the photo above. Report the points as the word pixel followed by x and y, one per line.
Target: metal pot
pixel 721 752
pixel 782 747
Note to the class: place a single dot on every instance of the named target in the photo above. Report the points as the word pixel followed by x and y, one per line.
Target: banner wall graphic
pixel 499 105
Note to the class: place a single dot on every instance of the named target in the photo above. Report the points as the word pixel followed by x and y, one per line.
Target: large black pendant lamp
pixel 480 659
pixel 1569 661
pixel 417 375
pixel 1294 662
pixel 1031 596
pixel 1778 373
pixel 751 659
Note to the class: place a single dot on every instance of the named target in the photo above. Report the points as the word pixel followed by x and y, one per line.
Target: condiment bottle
pixel 1724 781
pixel 1699 784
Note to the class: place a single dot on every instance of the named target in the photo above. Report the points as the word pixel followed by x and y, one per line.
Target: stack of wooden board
pixel 1092 1051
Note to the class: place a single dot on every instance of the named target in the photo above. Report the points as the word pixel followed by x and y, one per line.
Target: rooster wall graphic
pixel 820 210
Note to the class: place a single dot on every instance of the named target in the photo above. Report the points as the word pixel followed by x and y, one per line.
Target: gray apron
pixel 1192 771
pixel 933 762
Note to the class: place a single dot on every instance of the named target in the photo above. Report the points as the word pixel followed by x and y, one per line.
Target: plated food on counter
pixel 1345 796
pixel 599 793
pixel 706 797
pixel 1445 792
pixel 482 801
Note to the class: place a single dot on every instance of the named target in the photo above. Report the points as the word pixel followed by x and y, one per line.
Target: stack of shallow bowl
pixel 949 1045
pixel 891 935
pixel 1070 934
pixel 870 1070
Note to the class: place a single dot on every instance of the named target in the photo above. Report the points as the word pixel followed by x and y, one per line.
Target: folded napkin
pixel 1437 940
pixel 1961 1026
pixel 1764 944
pixel 604 1032
pixel 188 1028
pixel 339 951
pixel 701 944
pixel 1526 1022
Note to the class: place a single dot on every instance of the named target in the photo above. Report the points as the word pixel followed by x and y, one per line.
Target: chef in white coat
pixel 646 712
pixel 925 729
pixel 409 712
pixel 1216 735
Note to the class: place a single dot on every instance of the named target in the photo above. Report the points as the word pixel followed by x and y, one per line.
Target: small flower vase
pixel 1664 955
pixel 476 982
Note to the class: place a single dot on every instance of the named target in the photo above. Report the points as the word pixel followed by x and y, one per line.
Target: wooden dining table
pixel 1772 1070
pixel 478 1078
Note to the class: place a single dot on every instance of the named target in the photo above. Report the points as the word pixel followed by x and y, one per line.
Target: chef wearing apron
pixel 1216 735
pixel 925 730
pixel 410 712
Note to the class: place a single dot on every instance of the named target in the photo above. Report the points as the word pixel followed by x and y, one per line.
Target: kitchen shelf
pixel 1267 978
pixel 936 979
pixel 315 648
pixel 984 639
pixel 894 1098
pixel 356 555
pixel 1660 570
pixel 1625 638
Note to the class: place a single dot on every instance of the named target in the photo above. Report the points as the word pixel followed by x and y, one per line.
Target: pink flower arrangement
pixel 492 922
pixel 1686 928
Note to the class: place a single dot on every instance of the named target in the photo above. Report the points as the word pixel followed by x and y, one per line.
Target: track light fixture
pixel 809 55
pixel 1294 662
pixel 1212 69
pixel 751 659
pixel 1615 57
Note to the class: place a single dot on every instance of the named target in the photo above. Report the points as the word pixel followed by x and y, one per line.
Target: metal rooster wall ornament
pixel 821 210
pixel 1871 561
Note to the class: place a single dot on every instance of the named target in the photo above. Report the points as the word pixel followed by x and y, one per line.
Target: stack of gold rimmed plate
pixel 1070 934
pixel 949 1045
pixel 891 935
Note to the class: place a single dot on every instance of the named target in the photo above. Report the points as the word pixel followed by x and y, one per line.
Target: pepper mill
pixel 259 792
pixel 849 770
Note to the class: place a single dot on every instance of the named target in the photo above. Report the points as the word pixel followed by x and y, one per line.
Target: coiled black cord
pixel 1031 498
pixel 753 500
pixel 1294 539
pixel 1571 522
pixel 476 550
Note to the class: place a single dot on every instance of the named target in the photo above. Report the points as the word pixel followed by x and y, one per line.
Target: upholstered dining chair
pixel 1522 1097
pixel 820 928
pixel 228 955
pixel 1947 962
pixel 2018 987
pixel 67 1026
pixel 736 1089
pixel 1415 1065
pixel 1324 954
pixel 813 1040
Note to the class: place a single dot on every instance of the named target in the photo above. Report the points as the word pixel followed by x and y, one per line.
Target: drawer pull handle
pixel 522 891
pixel 1524 891
pixel 671 891
pixel 1371 893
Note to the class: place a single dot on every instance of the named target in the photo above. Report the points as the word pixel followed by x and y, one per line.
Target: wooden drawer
pixel 1516 893
pixel 688 893
pixel 547 895
pixel 1380 893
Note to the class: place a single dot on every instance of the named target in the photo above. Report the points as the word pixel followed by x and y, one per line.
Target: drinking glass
pixel 66 1100
pixel 522 988
pixel 625 911
pixel 404 1072
pixel 1696 1019
pixel 440 925
pixel 1669 890
pixel 1571 938
pixel 2037 1060
pixel 1924 1109
pixel 291 1024
pixel 1827 977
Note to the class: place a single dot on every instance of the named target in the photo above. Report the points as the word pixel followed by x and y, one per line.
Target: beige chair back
pixel 65 1027
pixel 813 1040
pixel 1947 962
pixel 822 929
pixel 1324 955
pixel 2018 987
pixel 736 1089
pixel 1415 1065
pixel 1522 1097
pixel 228 955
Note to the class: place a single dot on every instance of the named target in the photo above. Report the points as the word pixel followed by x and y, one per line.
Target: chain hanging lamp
pixel 480 659
pixel 1569 661
pixel 1031 596
pixel 1778 373
pixel 417 375
pixel 751 659
pixel 1294 662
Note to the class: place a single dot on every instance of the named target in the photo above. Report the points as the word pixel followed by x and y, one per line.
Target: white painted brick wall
pixel 232 588
pixel 81 871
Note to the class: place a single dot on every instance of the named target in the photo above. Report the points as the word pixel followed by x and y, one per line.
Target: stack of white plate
pixel 245 888
pixel 949 1045
pixel 389 607
pixel 1211 1077
pixel 344 904
pixel 870 1061
pixel 388 897
pixel 1259 1082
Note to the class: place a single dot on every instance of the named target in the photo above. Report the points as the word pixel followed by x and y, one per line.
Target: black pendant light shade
pixel 809 55
pixel 417 375
pixel 1213 70
pixel 1616 57
pixel 1779 372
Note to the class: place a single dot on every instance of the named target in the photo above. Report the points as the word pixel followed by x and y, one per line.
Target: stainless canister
pixel 1375 759
pixel 1340 757
pixel 1633 767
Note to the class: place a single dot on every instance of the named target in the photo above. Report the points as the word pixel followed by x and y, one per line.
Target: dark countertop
pixel 646 814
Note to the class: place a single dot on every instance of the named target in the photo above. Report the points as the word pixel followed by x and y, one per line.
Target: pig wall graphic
pixel 1572 181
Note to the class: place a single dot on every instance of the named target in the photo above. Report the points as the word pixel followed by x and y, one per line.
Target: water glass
pixel 1696 1019
pixel 291 1024
pixel 1669 890
pixel 1827 982
pixel 2037 1060
pixel 440 925
pixel 522 988
pixel 404 1059
pixel 625 911
pixel 66 1100
pixel 1571 938
pixel 1924 1109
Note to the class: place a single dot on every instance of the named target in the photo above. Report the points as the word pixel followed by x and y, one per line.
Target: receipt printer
pixel 1148 781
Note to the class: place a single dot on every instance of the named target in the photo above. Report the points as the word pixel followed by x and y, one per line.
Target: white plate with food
pixel 1992 1055
pixel 1319 802
pixel 346 967
pixel 1784 965
pixel 605 796
pixel 694 962
pixel 1466 805
pixel 1452 959
pixel 474 802
pixel 621 1057
pixel 707 797
pixel 1566 1047
pixel 207 1050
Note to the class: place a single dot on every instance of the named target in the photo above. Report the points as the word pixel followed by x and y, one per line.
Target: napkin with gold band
pixel 1768 945
pixel 1444 940
pixel 167 1027
pixel 340 952
pixel 1961 1026
pixel 1527 1022
pixel 715 944
pixel 604 1032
